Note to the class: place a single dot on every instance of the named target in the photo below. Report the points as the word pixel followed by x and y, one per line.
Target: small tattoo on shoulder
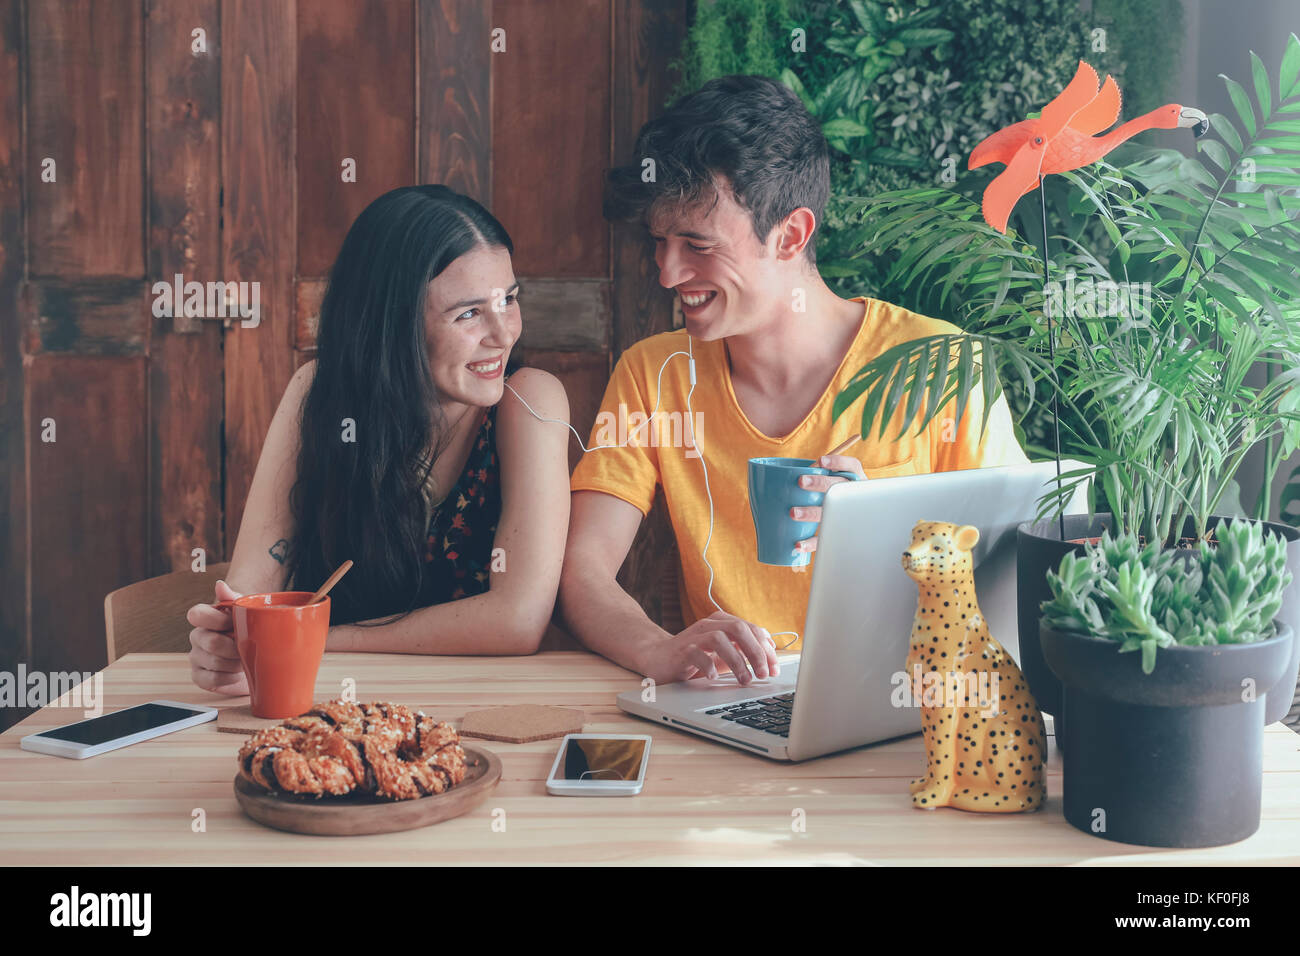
pixel 280 550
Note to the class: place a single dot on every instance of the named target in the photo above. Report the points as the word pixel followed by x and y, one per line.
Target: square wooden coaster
pixel 522 723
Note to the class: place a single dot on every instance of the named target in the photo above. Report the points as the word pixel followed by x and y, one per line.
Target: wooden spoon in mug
pixel 333 580
pixel 324 589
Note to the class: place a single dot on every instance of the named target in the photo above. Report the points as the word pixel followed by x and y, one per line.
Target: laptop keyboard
pixel 770 714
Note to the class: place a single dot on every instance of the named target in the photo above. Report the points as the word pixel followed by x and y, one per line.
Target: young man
pixel 733 197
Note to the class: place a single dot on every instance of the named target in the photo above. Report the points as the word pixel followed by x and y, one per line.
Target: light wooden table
pixel 702 803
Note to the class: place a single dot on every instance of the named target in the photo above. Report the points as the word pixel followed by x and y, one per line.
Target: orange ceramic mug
pixel 281 639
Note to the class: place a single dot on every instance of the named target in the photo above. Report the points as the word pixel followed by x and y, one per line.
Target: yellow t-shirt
pixel 659 455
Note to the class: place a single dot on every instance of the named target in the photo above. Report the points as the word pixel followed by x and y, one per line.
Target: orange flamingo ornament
pixel 1062 138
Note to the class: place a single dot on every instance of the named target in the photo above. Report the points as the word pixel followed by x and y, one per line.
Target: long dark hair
pixel 360 498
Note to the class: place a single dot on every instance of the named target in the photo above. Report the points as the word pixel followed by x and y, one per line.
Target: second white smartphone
pixel 599 765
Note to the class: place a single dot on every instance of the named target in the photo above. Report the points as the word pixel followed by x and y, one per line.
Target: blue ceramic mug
pixel 773 491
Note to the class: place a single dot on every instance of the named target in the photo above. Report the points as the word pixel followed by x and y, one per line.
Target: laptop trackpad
pixel 725 689
pixel 729 682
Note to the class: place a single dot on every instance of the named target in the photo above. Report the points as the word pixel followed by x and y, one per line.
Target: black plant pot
pixel 1174 758
pixel 1039 547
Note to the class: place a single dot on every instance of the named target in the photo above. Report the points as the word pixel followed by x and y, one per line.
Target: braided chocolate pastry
pixel 340 748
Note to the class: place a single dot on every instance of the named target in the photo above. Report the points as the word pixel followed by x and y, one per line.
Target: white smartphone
pixel 97 735
pixel 599 765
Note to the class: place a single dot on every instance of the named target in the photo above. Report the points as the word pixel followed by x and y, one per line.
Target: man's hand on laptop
pixel 719 640
pixel 821 483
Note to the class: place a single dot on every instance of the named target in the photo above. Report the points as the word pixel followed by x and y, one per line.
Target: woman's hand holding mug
pixel 214 659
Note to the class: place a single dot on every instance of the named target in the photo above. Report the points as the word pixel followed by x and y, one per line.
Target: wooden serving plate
pixel 359 814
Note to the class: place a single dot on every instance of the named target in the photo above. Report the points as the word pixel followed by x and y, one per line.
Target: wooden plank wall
pixel 186 368
pixel 83 306
pixel 218 157
pixel 15 633
pixel 259 234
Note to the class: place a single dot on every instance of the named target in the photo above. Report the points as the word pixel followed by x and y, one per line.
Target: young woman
pixel 395 448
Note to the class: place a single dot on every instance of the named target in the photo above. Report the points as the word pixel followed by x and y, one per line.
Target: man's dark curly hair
pixel 749 129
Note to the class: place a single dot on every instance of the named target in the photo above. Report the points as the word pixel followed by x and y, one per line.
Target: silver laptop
pixel 844 689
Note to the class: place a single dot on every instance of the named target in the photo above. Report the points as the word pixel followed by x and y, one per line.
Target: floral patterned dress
pixel 458 544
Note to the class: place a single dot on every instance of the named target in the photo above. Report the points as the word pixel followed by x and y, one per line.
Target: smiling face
pixel 471 322
pixel 728 282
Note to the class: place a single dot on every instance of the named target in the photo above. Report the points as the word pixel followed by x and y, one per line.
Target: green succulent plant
pixel 1146 598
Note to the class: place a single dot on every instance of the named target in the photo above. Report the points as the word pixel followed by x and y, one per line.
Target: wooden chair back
pixel 149 616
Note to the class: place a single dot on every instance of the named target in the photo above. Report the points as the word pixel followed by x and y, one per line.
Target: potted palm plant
pixel 1182 277
pixel 1162 654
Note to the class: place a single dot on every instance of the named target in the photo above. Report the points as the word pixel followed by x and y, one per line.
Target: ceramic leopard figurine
pixel 985 741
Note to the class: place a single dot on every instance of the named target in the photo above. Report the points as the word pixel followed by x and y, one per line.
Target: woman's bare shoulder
pixel 541 390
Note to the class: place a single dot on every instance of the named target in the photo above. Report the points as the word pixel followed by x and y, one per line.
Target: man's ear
pixel 794 233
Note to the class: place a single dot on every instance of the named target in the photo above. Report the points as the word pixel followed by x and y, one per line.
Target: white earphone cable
pixel 690 421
